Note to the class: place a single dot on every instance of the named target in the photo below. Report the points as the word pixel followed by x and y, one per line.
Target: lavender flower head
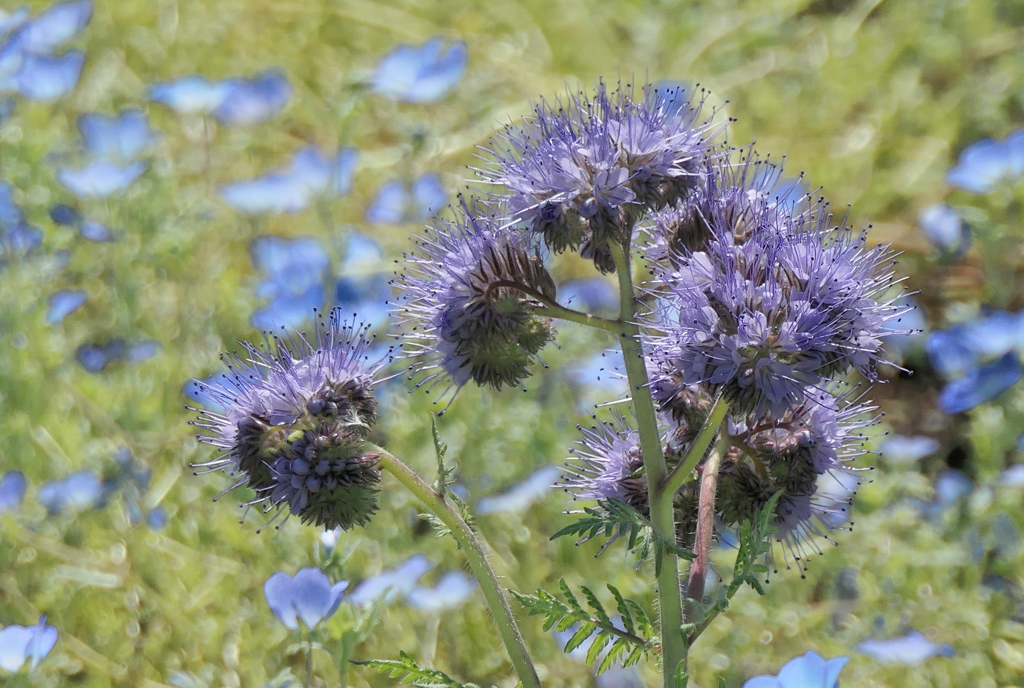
pixel 294 415
pixel 576 170
pixel 467 310
pixel 763 316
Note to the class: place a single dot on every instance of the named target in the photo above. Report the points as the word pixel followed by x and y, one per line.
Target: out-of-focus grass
pixel 872 99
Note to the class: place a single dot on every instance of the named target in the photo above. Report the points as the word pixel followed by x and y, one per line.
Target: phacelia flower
pixel 576 170
pixel 467 310
pixel 294 418
pixel 788 305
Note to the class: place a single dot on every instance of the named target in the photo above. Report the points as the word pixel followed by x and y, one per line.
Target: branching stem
pixel 682 471
pixel 496 600
pixel 705 521
pixel 553 309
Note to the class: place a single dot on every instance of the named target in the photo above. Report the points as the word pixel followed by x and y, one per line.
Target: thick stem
pixel 681 472
pixel 705 521
pixel 662 517
pixel 496 600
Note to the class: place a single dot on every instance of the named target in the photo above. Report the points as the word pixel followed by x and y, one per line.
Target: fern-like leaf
pixel 410 673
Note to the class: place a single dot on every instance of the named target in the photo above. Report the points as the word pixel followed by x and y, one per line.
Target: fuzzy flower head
pixel 787 306
pixel 467 312
pixel 576 170
pixel 291 422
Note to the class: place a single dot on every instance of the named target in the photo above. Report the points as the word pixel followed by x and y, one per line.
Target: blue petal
pixel 157 518
pixel 951 487
pixel 901 449
pixel 420 74
pixel 142 351
pixel 367 295
pixel 12 490
pixel 10 213
pixel 16 18
pixel 981 167
pixel 522 495
pixel 451 592
pixel 118 138
pixel 14 647
pixel 309 596
pixel 949 353
pixel 1015 151
pixel 77 492
pixel 43 638
pixel 95 232
pixel 945 229
pixel 55 26
pixel 288 312
pixel 19 239
pixel 344 169
pixel 270 195
pixel 95 357
pixel 593 294
pixel 47 78
pixel 63 303
pixel 388 207
pixel 190 95
pixel 362 254
pixel 807 671
pixel 909 650
pixel 251 101
pixel 99 180
pixel 391 583
pixel 292 266
pixel 763 682
pixel 995 334
pixel 64 215
pixel 1014 475
pixel 428 195
pixel 983 384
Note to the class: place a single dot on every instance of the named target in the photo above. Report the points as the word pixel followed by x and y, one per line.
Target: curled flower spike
pixel 576 170
pixel 787 306
pixel 295 414
pixel 468 312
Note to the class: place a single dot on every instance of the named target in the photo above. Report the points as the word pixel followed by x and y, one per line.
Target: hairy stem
pixel 496 600
pixel 553 309
pixel 662 516
pixel 682 471
pixel 705 521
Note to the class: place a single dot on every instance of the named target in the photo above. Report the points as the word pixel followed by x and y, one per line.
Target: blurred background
pixel 147 223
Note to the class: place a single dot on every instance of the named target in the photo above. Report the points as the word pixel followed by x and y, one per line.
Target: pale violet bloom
pixel 254 100
pixel 909 650
pixel 19 644
pixel 77 492
pixel 308 596
pixel 982 166
pixel 808 671
pixel 312 174
pixel 394 203
pixel 393 583
pixel 945 229
pixel 903 449
pixel 12 490
pixel 451 592
pixel 100 179
pixel 118 138
pixel 523 495
pixel 64 302
pixel 190 95
pixel 420 74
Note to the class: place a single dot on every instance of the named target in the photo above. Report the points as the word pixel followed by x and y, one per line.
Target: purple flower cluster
pixel 293 421
pixel 580 172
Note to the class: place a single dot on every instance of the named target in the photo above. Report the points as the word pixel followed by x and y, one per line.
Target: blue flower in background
pixel 1011 477
pixel 9 21
pixel 12 490
pixel 295 270
pixel 19 644
pixel 157 518
pixel 308 596
pixel 254 100
pixel 119 138
pixel 909 650
pixel 27 63
pixel 523 495
pixel 45 78
pixel 593 294
pixel 451 592
pixel 394 203
pixel 96 357
pixel 63 303
pixel 77 492
pixel 364 286
pixel 982 166
pixel 190 95
pixel 100 179
pixel 420 74
pixel 808 671
pixel 312 173
pixel 901 449
pixel 979 357
pixel 54 27
pixel 391 583
pixel 945 230
pixel 16 237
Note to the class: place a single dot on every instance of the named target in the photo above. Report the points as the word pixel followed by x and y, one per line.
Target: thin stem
pixel 705 521
pixel 496 600
pixel 682 471
pixel 662 516
pixel 309 661
pixel 553 309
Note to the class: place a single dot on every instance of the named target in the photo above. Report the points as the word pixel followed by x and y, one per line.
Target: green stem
pixel 553 309
pixel 662 516
pixel 681 473
pixel 705 521
pixel 496 600
pixel 309 661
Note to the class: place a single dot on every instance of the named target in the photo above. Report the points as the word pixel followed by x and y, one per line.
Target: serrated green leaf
pixel 623 608
pixel 579 637
pixel 410 673
pixel 600 641
pixel 596 605
pixel 569 597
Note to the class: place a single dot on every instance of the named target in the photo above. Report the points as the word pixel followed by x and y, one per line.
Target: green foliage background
pixel 872 98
